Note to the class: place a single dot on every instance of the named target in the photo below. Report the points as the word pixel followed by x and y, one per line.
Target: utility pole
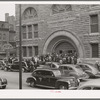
pixel 20 50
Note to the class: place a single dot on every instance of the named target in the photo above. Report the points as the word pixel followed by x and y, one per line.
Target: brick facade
pixel 75 22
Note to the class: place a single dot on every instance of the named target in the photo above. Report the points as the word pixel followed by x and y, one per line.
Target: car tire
pixel 32 83
pixel 63 87
pixel 3 87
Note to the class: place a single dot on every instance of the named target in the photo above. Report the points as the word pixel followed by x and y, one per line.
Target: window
pixel 4 36
pixel 0 36
pixel 36 50
pixel 35 30
pixel 24 35
pixel 94 23
pixel 30 51
pixel 30 32
pixel 59 8
pixel 95 50
pixel 24 51
pixel 29 13
pixel 11 27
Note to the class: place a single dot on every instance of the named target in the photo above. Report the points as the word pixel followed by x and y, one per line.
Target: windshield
pixel 57 73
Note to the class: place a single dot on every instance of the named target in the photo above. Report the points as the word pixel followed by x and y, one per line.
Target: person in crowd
pixel 97 65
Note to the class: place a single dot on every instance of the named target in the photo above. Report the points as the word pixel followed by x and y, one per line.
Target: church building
pixel 67 28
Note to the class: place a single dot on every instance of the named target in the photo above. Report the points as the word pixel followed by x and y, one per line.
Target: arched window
pixel 29 13
pixel 59 8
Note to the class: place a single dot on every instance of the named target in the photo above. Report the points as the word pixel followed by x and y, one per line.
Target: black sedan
pixel 51 78
pixel 15 67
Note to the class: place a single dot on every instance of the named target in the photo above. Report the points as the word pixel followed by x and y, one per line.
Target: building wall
pixel 75 22
pixel 7 35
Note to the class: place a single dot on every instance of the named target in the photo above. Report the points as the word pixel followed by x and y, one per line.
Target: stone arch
pixel 70 36
pixel 29 12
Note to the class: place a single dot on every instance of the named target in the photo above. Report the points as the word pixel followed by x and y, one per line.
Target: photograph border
pixel 51 94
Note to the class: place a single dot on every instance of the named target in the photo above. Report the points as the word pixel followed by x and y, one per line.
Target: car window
pixel 37 73
pixel 70 68
pixel 65 68
pixel 48 73
pixel 53 66
pixel 86 67
pixel 16 63
pixel 86 88
pixel 61 67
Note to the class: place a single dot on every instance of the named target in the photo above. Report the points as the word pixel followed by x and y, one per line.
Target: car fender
pixel 29 79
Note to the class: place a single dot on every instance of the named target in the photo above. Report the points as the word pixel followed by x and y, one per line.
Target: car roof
pixel 94 82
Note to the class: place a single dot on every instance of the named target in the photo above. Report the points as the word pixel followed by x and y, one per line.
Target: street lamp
pixel 20 50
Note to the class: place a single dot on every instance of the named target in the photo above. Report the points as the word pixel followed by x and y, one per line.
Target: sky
pixel 6 8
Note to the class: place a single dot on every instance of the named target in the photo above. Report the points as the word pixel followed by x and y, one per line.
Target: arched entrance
pixel 63 41
pixel 64 46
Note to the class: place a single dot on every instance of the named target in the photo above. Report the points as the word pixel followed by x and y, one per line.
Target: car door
pixel 66 70
pixel 50 79
pixel 39 77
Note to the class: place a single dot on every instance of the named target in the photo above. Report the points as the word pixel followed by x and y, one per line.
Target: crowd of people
pixel 34 62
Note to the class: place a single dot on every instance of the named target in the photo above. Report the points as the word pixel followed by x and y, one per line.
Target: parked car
pixel 89 85
pixel 15 66
pixel 51 78
pixel 90 69
pixel 3 83
pixel 73 70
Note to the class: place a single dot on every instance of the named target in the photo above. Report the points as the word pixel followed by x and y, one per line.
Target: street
pixel 13 79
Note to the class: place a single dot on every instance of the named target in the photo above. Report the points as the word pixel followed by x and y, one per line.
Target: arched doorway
pixel 63 41
pixel 64 46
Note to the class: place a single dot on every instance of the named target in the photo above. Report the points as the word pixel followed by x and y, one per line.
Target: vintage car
pixel 93 84
pixel 3 83
pixel 15 67
pixel 51 78
pixel 90 69
pixel 73 70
